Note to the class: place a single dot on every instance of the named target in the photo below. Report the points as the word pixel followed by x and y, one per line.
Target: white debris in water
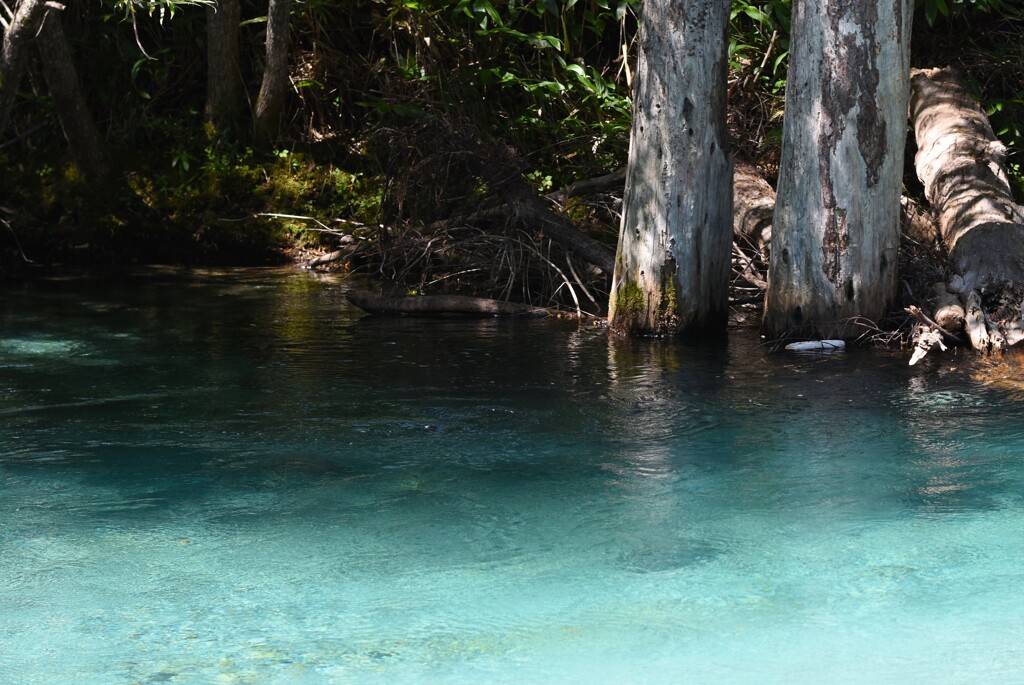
pixel 816 346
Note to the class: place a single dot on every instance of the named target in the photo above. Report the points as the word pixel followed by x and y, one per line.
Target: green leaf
pixel 779 60
pixel 757 15
pixel 553 87
pixel 486 8
pixel 542 41
pixel 737 49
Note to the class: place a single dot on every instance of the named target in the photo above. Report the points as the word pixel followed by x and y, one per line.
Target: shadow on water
pixel 182 387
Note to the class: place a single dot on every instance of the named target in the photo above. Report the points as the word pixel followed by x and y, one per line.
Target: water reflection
pixel 260 483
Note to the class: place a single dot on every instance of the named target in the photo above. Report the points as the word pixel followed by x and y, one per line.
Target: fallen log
pixel 346 241
pixel 949 311
pixel 328 258
pixel 962 166
pixel 753 204
pixel 442 304
pixel 590 186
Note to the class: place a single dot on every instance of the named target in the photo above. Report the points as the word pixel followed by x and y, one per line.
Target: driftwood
pixel 929 333
pixel 328 258
pixel 442 304
pixel 962 166
pixel 346 241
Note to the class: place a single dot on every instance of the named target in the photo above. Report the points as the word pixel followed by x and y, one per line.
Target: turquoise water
pixel 235 478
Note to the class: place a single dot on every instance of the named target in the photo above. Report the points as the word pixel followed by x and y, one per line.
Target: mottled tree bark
pixel 224 94
pixel 836 229
pixel 672 266
pixel 962 166
pixel 270 103
pixel 14 53
pixel 84 140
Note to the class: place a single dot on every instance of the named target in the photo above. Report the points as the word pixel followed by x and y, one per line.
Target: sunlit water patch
pixel 258 485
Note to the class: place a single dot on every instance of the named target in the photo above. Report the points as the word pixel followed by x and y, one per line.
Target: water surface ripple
pixel 234 477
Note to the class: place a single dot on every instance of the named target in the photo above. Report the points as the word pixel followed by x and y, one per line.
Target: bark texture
pixel 84 140
pixel 836 227
pixel 14 53
pixel 962 166
pixel 672 267
pixel 274 88
pixel 223 77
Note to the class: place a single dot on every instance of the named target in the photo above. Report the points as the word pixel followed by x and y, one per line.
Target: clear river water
pixel 235 477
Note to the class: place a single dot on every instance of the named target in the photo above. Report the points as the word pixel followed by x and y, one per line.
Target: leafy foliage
pixel 933 9
pixel 373 81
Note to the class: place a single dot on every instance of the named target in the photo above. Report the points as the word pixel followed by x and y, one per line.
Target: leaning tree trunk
pixel 836 230
pixel 270 103
pixel 223 76
pixel 15 51
pixel 672 267
pixel 84 140
pixel 962 166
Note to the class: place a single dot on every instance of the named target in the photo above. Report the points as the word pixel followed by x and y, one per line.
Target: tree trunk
pixel 270 103
pixel 84 140
pixel 223 75
pixel 836 229
pixel 14 53
pixel 672 267
pixel 961 164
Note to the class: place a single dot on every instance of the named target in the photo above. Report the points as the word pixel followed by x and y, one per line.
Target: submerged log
pixel 962 166
pixel 442 304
